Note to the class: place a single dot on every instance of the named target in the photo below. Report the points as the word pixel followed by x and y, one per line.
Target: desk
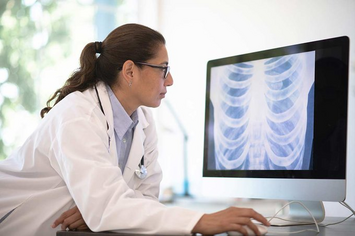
pixel 346 228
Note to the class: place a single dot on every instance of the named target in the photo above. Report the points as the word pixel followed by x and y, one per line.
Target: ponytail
pixel 81 79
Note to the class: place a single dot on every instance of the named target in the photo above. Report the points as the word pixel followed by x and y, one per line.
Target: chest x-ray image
pixel 263 113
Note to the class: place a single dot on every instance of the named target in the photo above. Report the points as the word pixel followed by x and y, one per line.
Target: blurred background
pixel 41 41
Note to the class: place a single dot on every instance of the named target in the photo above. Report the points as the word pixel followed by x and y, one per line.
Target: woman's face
pixel 151 86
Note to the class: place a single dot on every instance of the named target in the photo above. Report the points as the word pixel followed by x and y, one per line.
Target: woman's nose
pixel 169 80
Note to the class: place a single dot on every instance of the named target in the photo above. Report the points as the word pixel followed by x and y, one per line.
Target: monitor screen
pixel 279 114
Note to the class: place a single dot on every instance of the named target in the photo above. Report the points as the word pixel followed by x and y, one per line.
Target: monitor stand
pixel 298 215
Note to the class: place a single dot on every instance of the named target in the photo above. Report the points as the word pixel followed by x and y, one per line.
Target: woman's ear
pixel 128 71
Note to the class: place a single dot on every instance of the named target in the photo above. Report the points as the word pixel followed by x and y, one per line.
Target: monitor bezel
pixel 342 44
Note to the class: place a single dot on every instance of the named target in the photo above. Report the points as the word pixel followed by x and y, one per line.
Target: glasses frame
pixel 165 68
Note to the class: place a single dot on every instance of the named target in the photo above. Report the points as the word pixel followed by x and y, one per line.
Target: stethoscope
pixel 142 171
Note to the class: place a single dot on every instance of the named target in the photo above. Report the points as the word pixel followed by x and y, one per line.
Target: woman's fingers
pixel 82 225
pixel 231 219
pixel 79 224
pixel 253 227
pixel 253 215
pixel 245 216
pixel 64 216
pixel 240 223
pixel 71 219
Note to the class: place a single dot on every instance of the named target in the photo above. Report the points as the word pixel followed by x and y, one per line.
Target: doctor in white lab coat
pixel 77 156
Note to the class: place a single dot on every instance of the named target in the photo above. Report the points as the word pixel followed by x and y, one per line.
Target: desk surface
pixel 346 228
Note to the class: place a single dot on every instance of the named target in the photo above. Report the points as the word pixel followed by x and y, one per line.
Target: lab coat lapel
pixel 137 149
pixel 105 100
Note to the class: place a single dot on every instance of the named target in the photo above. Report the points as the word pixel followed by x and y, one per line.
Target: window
pixel 40 45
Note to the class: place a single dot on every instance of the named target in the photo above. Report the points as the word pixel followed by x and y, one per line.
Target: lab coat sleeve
pixel 100 192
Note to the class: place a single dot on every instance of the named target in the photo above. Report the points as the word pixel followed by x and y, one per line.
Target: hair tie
pixel 98 48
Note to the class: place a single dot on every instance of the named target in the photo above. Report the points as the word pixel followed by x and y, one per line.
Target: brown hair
pixel 128 42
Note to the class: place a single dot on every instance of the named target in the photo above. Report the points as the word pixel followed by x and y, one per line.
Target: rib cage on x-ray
pixel 261 114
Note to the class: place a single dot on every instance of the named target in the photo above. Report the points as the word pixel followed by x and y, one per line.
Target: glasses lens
pixel 167 69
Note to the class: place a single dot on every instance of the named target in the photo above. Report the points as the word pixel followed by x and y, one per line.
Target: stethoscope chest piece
pixel 142 171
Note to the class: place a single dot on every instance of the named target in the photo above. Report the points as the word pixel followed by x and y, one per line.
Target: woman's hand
pixel 230 219
pixel 71 219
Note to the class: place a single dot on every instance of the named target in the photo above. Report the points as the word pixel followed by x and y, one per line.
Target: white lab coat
pixel 68 161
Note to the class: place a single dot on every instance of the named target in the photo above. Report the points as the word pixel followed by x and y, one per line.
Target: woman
pixel 92 146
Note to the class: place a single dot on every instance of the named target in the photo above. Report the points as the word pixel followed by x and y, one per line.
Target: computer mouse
pixel 262 229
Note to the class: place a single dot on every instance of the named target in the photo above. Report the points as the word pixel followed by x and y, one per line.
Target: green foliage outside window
pixel 31 31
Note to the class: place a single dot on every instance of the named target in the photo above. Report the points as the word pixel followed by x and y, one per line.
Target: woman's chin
pixel 154 104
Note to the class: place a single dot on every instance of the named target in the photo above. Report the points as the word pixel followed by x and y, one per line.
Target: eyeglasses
pixel 166 69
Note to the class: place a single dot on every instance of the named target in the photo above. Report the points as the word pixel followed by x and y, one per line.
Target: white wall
pixel 201 30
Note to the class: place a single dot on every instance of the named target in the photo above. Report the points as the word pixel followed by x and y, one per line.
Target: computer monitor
pixel 276 124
